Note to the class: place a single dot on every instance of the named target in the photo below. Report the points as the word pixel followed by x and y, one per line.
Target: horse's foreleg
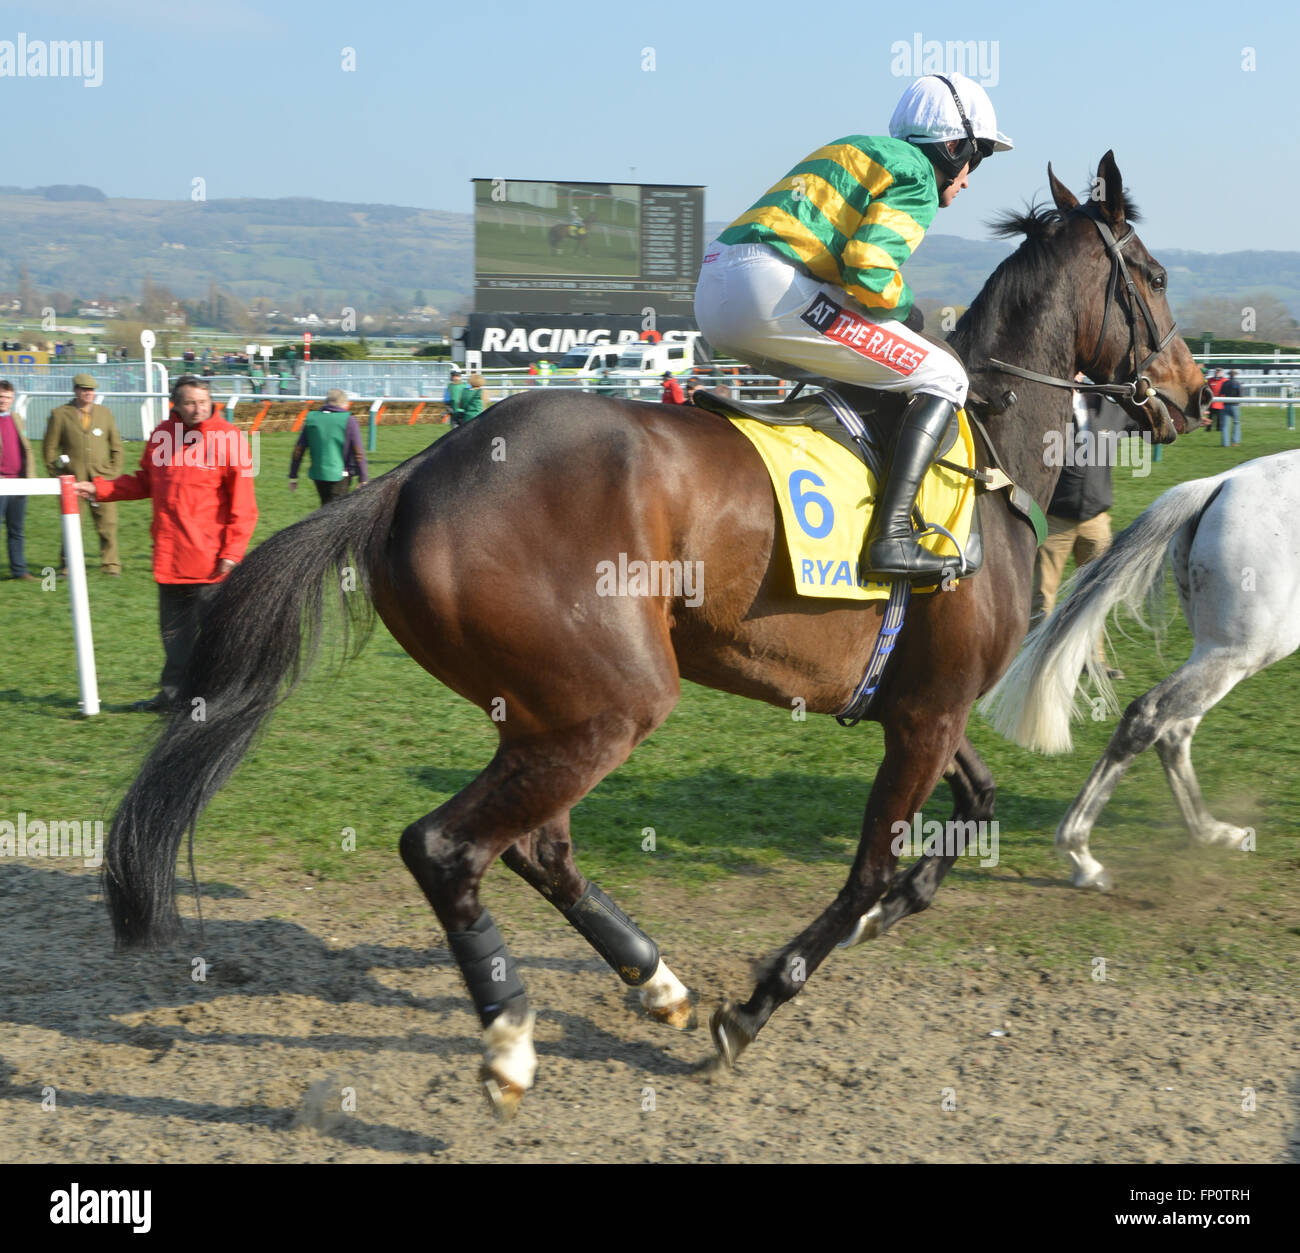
pixel 544 859
pixel 973 796
pixel 915 759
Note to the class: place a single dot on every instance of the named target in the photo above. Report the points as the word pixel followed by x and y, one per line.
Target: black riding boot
pixel 892 550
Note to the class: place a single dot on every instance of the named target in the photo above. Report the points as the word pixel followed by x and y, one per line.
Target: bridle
pixel 1139 388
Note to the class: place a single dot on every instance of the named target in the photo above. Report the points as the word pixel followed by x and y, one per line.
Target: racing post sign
pixel 306 345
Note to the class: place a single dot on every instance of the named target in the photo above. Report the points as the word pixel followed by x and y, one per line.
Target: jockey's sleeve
pixel 891 228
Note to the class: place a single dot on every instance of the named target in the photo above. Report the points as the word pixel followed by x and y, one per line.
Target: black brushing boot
pixel 892 549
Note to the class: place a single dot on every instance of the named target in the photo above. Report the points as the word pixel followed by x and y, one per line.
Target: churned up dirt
pixel 331 1026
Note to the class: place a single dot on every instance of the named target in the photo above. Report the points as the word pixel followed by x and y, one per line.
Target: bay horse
pixel 1235 554
pixel 570 230
pixel 482 556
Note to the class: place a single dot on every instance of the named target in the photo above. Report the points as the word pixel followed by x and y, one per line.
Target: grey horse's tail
pixel 1033 703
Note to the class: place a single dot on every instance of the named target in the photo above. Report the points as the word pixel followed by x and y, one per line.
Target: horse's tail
pixel 1033 702
pixel 258 635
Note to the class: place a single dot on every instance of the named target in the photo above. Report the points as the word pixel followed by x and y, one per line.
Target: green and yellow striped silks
pixel 850 214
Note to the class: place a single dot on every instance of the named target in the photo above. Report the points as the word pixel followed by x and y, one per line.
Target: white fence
pixel 74 560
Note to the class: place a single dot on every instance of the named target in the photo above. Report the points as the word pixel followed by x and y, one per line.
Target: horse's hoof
pixel 1100 880
pixel 866 928
pixel 1222 834
pixel 681 1015
pixel 729 1037
pixel 502 1096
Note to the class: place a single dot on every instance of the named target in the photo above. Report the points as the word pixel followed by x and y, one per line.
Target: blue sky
pixel 252 96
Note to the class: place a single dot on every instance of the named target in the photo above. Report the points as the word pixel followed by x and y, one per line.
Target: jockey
pixel 807 283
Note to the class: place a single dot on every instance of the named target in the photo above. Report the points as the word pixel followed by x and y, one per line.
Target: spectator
pixel 1078 517
pixel 333 437
pixel 82 440
pixel 1215 384
pixel 692 386
pixel 197 470
pixel 672 393
pixel 1230 390
pixel 471 400
pixel 544 372
pixel 451 397
pixel 15 463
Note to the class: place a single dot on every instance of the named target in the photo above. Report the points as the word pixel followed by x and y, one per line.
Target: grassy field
pixel 507 249
pixel 737 792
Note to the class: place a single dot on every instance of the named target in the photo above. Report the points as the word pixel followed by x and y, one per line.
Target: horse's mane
pixel 1022 277
pixel 1039 221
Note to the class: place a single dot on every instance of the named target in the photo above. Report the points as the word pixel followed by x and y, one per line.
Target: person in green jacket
pixel 451 397
pixel 472 401
pixel 468 401
pixel 333 438
pixel 82 440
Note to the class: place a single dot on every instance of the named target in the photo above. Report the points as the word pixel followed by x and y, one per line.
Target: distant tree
pixel 1272 318
pixel 156 301
pixel 68 191
pixel 1257 315
pixel 126 334
pixel 30 302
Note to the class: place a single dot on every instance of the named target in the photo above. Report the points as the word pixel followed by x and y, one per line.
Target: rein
pixel 1139 389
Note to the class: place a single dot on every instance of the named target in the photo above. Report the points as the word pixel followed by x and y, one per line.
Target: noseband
pixel 1139 388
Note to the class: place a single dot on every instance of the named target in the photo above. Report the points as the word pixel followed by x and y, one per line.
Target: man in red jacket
pixel 1216 382
pixel 198 471
pixel 673 394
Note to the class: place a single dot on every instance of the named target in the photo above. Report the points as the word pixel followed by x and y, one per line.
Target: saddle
pixel 878 413
pixel 860 419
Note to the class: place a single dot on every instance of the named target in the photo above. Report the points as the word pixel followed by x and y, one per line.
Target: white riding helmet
pixel 940 107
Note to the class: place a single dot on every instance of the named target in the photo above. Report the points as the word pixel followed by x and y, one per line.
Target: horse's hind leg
pixel 1175 749
pixel 1215 677
pixel 530 782
pixel 1165 716
pixel 973 794
pixel 544 859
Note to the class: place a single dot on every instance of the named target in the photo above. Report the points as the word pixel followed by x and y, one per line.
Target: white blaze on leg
pixel 866 928
pixel 508 1050
pixel 663 990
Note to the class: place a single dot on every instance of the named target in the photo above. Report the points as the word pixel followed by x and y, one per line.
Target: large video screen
pixel 585 247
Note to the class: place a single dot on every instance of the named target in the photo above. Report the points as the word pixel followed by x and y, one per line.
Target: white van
pixel 641 366
pixel 587 360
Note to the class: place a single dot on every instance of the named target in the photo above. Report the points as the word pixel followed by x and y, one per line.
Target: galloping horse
pixel 481 556
pixel 571 230
pixel 1216 532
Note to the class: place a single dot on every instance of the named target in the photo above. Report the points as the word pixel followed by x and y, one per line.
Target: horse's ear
pixel 1064 197
pixel 1108 188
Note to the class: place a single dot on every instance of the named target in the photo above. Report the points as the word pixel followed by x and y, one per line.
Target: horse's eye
pixel 1158 283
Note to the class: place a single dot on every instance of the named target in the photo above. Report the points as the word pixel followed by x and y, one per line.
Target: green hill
pixel 326 254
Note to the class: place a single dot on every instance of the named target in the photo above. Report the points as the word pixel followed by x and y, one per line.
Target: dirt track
pixel 350 988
